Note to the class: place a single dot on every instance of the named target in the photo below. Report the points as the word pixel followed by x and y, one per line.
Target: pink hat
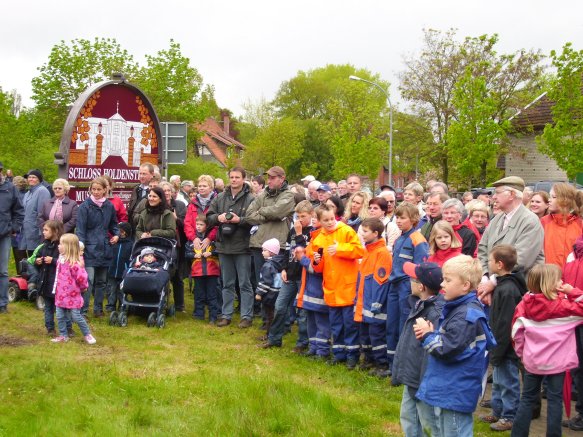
pixel 272 245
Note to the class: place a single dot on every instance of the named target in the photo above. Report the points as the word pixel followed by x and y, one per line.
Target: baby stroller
pixel 148 288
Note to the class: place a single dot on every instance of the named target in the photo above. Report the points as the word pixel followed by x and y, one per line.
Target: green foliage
pixel 280 143
pixel 474 137
pixel 563 140
pixel 430 79
pixel 412 145
pixel 195 167
pixel 73 67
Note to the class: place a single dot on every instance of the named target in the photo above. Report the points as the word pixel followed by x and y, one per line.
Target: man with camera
pixel 228 212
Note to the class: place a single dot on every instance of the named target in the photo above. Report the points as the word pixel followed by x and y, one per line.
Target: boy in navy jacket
pixel 411 359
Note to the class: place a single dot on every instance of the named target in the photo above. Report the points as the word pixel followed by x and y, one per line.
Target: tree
pixel 475 136
pixel 280 143
pixel 341 120
pixel 563 140
pixel 71 69
pixel 429 82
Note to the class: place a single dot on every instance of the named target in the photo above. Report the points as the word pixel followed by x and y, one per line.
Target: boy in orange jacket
pixel 337 250
pixel 371 296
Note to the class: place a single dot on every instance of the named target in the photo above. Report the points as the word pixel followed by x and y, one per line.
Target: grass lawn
pixel 186 379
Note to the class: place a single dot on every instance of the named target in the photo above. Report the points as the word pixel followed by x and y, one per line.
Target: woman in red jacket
pixel 563 225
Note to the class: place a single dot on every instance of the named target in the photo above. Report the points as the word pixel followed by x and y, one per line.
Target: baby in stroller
pixel 148 260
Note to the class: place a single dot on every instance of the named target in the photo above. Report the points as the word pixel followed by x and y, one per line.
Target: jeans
pixel 178 290
pixel 5 244
pixel 409 417
pixel 114 294
pixel 505 390
pixel 428 419
pixel 63 317
pixel 302 319
pixel 49 311
pixel 97 277
pixel 446 423
pixel 205 294
pixel 530 391
pixel 236 266
pixel 285 298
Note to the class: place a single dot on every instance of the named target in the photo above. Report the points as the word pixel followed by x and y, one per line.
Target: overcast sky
pixel 247 48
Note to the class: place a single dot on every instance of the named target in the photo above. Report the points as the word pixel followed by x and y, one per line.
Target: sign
pixel 111 130
pixel 174 140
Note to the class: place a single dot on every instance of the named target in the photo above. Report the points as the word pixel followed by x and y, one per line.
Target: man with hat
pixel 33 202
pixel 516 225
pixel 11 218
pixel 324 193
pixel 184 192
pixel 270 215
pixel 306 181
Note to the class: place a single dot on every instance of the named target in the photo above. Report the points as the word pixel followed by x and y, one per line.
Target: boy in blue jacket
pixel 411 359
pixel 457 349
pixel 411 246
pixel 122 252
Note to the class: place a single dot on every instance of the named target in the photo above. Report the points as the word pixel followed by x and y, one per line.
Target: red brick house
pixel 216 144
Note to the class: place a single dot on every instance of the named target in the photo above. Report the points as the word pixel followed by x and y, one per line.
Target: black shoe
pixel 366 365
pixel 3 310
pixel 70 332
pixel 381 372
pixel 351 363
pixel 268 345
pixel 576 423
pixel 335 361
pixel 486 403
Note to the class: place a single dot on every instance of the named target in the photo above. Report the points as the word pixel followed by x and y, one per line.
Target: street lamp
pixel 390 123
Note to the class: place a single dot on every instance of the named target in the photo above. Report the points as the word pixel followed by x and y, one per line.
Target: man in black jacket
pixel 141 191
pixel 228 211
pixel 11 218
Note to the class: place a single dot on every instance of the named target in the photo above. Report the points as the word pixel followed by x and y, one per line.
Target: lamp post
pixel 386 93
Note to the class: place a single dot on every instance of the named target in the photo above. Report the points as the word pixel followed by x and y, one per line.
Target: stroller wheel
pixel 113 318
pixel 40 303
pixel 161 321
pixel 171 310
pixel 151 320
pixel 122 320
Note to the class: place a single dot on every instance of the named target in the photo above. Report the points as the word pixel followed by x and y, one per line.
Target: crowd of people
pixel 417 292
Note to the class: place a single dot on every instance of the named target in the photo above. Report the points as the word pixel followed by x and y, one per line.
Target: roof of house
pixel 214 136
pixel 535 115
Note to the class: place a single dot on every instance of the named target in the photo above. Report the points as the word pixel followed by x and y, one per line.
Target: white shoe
pixel 90 339
pixel 60 339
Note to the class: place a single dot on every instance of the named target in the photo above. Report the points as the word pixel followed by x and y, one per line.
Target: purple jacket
pixel 70 209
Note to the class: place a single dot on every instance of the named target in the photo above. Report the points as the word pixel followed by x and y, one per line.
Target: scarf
pixel 98 202
pixel 204 201
pixel 57 210
pixel 354 222
pixel 441 256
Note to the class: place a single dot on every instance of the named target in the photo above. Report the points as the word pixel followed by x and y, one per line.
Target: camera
pixel 229 215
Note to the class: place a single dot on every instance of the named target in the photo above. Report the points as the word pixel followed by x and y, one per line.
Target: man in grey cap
pixel 11 218
pixel 515 225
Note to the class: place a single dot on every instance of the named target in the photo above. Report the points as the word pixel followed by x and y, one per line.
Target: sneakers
pixel 89 339
pixel 60 339
pixel 575 423
pixel 245 323
pixel 223 322
pixel 490 419
pixel 501 425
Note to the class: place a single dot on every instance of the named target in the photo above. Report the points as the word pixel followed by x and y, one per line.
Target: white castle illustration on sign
pixel 113 137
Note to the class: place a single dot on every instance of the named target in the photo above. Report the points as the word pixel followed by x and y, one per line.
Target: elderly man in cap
pixel 270 215
pixel 515 225
pixel 11 218
pixel 324 193
pixel 184 193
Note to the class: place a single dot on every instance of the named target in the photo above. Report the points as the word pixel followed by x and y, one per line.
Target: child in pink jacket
pixel 70 281
pixel 543 332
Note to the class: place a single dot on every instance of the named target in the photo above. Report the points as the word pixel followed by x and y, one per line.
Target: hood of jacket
pixel 279 261
pixel 516 277
pixel 578 248
pixel 244 190
pixel 273 193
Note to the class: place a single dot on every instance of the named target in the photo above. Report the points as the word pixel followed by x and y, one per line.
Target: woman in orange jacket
pixel 337 250
pixel 563 225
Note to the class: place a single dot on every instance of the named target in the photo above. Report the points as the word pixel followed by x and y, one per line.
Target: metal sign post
pixel 174 140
